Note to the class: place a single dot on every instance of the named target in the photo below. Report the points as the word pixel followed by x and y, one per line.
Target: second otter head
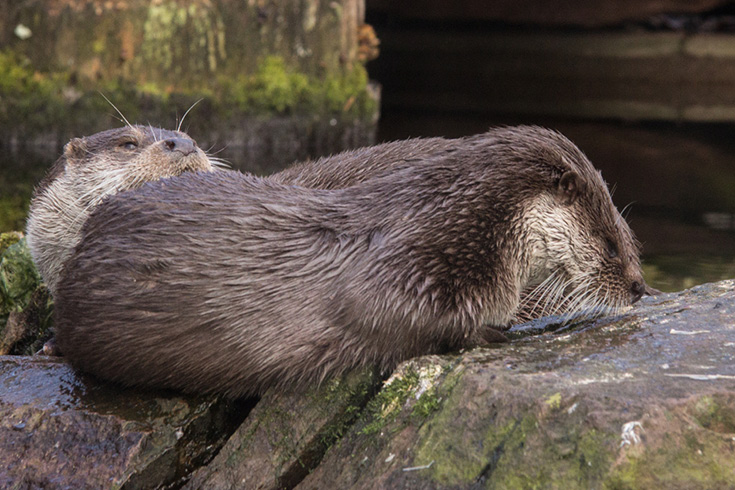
pixel 92 168
pixel 125 158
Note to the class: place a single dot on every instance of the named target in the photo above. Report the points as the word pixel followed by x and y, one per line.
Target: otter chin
pixel 269 284
pixel 89 170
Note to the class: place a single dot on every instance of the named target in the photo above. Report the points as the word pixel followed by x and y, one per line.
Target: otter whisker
pixel 539 294
pixel 550 300
pixel 592 303
pixel 578 300
pixel 153 132
pixel 555 303
pixel 178 128
pixel 546 292
pixel 210 149
pixel 116 109
pixel 539 289
pixel 219 162
pixel 626 210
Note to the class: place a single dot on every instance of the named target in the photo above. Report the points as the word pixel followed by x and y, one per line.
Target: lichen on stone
pixel 411 381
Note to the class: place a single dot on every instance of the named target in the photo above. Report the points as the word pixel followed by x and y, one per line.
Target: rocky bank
pixel 642 400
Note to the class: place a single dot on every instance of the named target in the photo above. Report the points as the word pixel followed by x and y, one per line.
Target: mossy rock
pixel 25 303
pixel 9 238
pixel 18 277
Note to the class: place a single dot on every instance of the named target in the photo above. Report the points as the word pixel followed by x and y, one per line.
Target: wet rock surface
pixel 642 400
pixel 62 430
pixel 286 435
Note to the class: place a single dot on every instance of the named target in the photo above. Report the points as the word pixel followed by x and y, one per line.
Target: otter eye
pixel 129 145
pixel 612 249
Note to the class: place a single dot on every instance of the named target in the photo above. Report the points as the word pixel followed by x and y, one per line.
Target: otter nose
pixel 637 288
pixel 182 145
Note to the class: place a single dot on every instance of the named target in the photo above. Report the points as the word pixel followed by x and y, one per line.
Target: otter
pixel 89 170
pixel 270 284
pixel 353 166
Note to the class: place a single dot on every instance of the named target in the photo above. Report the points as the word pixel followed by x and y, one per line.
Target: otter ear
pixel 570 185
pixel 76 148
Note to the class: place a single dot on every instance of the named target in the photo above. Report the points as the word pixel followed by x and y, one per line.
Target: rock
pixel 643 400
pixel 286 435
pixel 62 430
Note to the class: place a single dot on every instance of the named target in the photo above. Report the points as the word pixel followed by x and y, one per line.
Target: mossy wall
pixel 183 44
pixel 280 58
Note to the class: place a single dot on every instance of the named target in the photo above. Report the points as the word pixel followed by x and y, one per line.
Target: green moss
pixel 9 238
pixel 716 413
pixel 203 45
pixel 276 88
pixel 533 449
pixel 43 101
pixel 342 400
pixel 273 88
pixel 328 410
pixel 21 292
pixel 554 401
pixel 701 462
pixel 18 277
pixel 19 77
pixel 387 404
pixel 427 403
pixel 458 462
pixel 528 459
pixel 158 30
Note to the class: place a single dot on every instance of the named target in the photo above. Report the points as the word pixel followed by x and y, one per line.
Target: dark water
pixel 677 184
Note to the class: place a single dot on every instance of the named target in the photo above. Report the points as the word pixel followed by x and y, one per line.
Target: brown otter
pixel 269 284
pixel 353 166
pixel 89 170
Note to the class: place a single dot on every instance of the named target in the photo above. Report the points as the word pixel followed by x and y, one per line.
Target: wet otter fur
pixel 353 166
pixel 89 170
pixel 270 284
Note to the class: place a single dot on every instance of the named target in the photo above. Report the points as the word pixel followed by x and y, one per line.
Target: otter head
pixel 582 256
pixel 125 158
pixel 92 168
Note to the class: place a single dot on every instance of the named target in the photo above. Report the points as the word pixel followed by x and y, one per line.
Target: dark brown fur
pixel 354 166
pixel 263 284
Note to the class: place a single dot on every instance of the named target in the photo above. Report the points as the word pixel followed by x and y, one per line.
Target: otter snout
pixel 637 290
pixel 182 145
